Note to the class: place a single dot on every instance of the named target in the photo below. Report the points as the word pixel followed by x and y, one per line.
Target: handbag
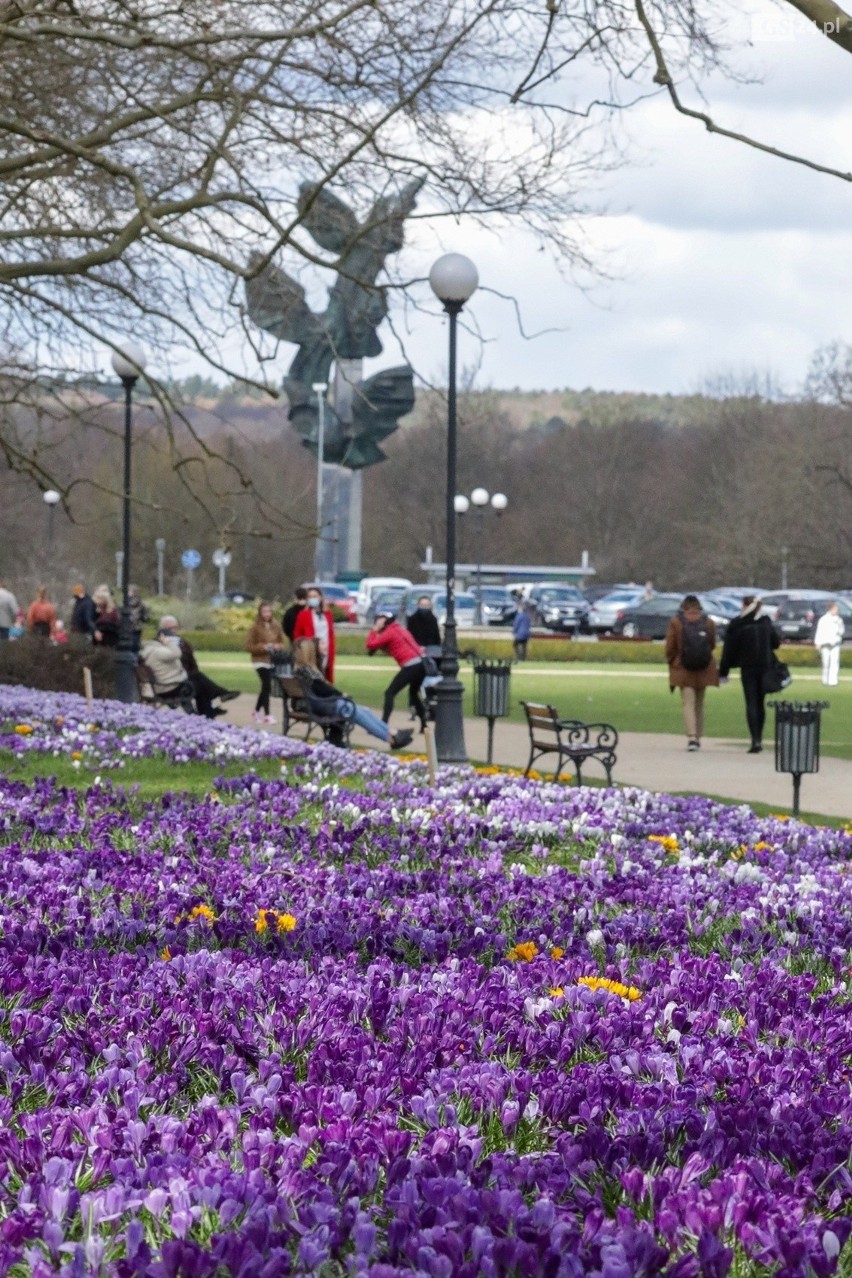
pixel 776 678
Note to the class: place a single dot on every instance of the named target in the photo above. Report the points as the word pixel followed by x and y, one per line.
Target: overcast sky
pixel 728 262
pixel 724 263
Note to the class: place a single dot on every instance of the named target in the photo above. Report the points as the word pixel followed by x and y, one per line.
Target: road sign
pixel 190 559
pixel 221 558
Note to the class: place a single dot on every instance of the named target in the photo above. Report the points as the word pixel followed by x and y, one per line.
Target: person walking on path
pixel 107 618
pixel 388 636
pixel 829 636
pixel 316 622
pixel 263 642
pixel 690 641
pixel 300 602
pixel 8 610
pixel 206 691
pixel 521 630
pixel 83 612
pixel 749 644
pixel 324 699
pixel 41 615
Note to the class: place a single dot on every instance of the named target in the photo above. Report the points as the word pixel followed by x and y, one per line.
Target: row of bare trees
pixel 151 157
pixel 708 496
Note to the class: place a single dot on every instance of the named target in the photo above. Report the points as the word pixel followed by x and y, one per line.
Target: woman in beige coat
pixel 690 640
pixel 263 641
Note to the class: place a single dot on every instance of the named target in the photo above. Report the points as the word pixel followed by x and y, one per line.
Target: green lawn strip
pixel 154 777
pixel 633 699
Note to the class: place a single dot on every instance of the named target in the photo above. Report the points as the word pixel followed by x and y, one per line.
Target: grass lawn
pixel 153 777
pixel 634 698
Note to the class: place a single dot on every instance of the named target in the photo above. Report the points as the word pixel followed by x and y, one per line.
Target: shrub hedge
pixel 350 643
pixel 34 662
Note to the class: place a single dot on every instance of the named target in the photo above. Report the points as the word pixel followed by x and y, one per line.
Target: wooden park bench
pixel 297 710
pixel 180 698
pixel 570 739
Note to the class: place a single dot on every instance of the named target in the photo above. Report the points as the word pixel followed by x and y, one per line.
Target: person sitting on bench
pixel 169 681
pixel 326 700
pixel 206 691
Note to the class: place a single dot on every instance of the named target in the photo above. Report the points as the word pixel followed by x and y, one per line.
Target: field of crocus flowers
pixel 342 1022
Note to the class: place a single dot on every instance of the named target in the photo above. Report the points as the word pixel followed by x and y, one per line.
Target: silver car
pixel 606 611
pixel 465 609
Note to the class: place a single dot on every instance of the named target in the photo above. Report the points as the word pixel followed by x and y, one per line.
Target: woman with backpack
pixel 690 641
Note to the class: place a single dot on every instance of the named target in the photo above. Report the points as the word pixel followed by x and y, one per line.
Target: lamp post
pixel 51 498
pixel 453 280
pixel 128 360
pixel 320 389
pixel 480 499
pixel 160 547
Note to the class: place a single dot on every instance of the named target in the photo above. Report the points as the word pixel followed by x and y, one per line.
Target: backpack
pixel 696 651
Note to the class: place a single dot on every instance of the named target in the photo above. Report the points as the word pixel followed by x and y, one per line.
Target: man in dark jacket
pixel 423 625
pixel 203 687
pixel 288 620
pixel 83 612
pixel 749 644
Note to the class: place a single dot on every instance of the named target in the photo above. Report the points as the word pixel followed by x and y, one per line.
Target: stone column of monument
pixel 349 484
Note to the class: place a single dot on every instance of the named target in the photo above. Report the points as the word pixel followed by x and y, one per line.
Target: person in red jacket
pixel 389 636
pixel 316 622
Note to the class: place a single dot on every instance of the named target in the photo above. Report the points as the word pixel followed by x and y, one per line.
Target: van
pixel 368 588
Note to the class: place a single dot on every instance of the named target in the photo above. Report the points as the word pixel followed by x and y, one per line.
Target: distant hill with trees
pixel 689 490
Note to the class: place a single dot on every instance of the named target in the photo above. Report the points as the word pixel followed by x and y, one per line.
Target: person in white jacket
pixel 828 638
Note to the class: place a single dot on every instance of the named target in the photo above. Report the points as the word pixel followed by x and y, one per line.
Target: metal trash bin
pixel 797 725
pixel 491 694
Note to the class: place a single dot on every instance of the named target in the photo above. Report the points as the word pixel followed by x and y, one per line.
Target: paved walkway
pixel 655 761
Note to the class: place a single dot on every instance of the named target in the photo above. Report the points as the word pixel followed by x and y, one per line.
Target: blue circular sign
pixel 190 559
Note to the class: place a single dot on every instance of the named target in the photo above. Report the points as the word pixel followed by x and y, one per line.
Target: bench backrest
pixel 292 687
pixel 544 723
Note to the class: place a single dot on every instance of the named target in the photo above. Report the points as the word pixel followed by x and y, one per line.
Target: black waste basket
pixel 491 694
pixel 797 725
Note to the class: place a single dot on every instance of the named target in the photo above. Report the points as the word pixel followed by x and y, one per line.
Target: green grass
pixel 154 777
pixel 634 698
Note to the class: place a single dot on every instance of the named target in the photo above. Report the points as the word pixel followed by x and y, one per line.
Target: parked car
pixel 597 590
pixel 773 600
pixel 797 618
pixel 465 609
pixel 369 586
pixel 336 596
pixel 562 608
pixel 386 601
pixel 650 618
pixel 498 606
pixel 608 610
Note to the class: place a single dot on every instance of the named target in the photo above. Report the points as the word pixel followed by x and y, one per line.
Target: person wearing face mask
pixel 423 625
pixel 317 622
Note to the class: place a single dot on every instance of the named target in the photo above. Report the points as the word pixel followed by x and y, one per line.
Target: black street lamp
pixel 480 499
pixel 128 361
pixel 453 279
pixel 51 498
